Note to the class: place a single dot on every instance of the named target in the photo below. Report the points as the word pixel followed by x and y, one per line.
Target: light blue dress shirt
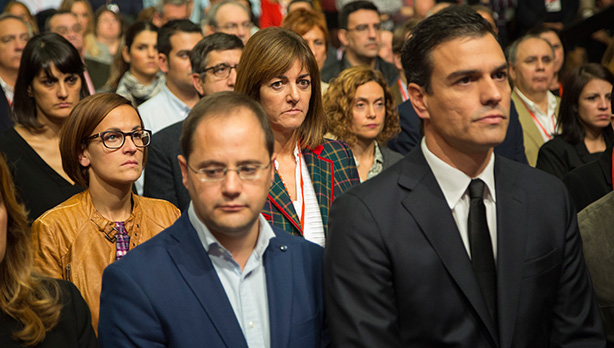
pixel 246 290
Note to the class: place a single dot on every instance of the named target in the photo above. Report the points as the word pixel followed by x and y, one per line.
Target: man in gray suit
pixel 454 246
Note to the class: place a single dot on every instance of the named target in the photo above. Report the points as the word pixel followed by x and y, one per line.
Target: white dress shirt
pixel 547 120
pixel 455 187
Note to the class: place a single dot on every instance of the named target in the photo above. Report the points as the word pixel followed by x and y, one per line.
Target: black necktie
pixel 482 257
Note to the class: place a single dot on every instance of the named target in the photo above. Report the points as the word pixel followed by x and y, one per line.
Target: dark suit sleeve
pixel 159 179
pixel 358 279
pixel 512 146
pixel 410 130
pixel 550 160
pixel 127 318
pixel 576 321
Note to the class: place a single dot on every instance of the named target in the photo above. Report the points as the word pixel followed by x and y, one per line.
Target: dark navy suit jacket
pixel 166 293
pixel 512 147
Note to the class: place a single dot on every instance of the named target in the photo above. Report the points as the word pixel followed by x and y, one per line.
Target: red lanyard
pixel 302 183
pixel 539 124
pixel 403 90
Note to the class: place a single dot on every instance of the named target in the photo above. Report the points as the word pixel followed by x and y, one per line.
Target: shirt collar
pixel 552 102
pixel 172 98
pixel 453 182
pixel 208 239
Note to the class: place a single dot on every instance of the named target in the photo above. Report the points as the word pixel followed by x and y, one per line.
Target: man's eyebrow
pixel 461 73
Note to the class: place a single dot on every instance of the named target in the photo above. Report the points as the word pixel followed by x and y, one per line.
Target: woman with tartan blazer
pixel 279 70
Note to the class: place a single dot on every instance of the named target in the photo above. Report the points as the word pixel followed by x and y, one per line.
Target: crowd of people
pixel 305 173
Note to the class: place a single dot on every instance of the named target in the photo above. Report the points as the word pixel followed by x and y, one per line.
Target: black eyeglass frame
pixel 230 67
pixel 124 134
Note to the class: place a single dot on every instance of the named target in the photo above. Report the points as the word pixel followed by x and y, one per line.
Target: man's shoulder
pixel 170 133
pixel 153 104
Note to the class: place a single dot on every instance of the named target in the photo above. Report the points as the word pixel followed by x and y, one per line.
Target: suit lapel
pixel 279 273
pixel 321 173
pixel 438 226
pixel 196 268
pixel 279 198
pixel 533 139
pixel 511 237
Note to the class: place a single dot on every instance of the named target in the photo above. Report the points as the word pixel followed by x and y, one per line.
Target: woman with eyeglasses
pixel 135 73
pixel 278 69
pixel 49 85
pixel 104 147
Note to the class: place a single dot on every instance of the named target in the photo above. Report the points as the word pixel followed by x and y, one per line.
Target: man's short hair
pixel 214 42
pixel 451 23
pixel 161 3
pixel 6 15
pixel 512 50
pixel 223 103
pixel 211 16
pixel 399 36
pixel 56 13
pixel 352 7
pixel 171 28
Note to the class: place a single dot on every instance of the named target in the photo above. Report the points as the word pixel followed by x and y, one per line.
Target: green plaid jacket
pixel 332 171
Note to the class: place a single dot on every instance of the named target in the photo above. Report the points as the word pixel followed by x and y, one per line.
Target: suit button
pixel 283 248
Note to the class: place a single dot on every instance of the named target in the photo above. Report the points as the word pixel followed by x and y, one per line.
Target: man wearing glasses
pixel 214 62
pixel 229 17
pixel 221 276
pixel 360 34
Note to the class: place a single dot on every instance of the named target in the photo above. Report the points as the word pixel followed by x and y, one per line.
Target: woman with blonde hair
pixel 104 147
pixel 361 112
pixel 34 310
pixel 279 70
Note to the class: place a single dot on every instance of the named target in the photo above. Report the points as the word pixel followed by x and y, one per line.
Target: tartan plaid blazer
pixel 332 171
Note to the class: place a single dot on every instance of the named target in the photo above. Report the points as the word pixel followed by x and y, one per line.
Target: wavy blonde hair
pixel 32 300
pixel 339 101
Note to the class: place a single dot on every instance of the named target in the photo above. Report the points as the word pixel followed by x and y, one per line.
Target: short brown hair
pixel 271 52
pixel 339 98
pixel 80 124
pixel 301 21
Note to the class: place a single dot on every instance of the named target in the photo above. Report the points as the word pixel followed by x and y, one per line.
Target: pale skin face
pixel 13 38
pixel 66 25
pixel 316 41
pixel 143 56
pixel 534 69
pixel 177 65
pixel 368 112
pixel 363 44
pixel 232 19
pixel 79 9
pixel 55 96
pixel 211 83
pixel 109 27
pixel 114 167
pixel 557 45
pixel 229 208
pixel 467 112
pixel 285 98
pixel 594 104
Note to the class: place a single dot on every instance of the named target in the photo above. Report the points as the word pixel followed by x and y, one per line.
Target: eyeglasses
pixel 115 139
pixel 246 172
pixel 234 26
pixel 221 71
pixel 364 27
pixel 64 30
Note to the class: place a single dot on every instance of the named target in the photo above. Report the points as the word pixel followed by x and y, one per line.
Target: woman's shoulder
pixel 11 142
pixel 155 207
pixel 557 144
pixel 331 146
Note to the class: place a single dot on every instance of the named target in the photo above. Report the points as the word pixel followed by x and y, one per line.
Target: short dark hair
pixel 40 52
pixel 171 28
pixel 572 129
pixel 223 103
pixel 352 7
pixel 399 35
pixel 56 13
pixel 448 24
pixel 214 42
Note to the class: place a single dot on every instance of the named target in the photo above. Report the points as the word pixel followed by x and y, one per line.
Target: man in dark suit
pixel 214 61
pixel 221 276
pixel 454 246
